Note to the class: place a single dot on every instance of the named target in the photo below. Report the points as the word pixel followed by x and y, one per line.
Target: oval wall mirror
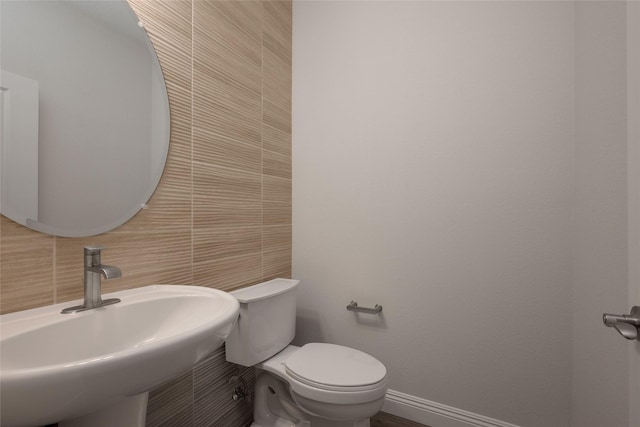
pixel 84 116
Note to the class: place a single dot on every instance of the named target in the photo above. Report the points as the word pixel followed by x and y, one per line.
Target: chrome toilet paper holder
pixel 353 306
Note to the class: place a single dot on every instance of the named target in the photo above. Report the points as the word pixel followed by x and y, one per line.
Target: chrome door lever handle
pixel 627 325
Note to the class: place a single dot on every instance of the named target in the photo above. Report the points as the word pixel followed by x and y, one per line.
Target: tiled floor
pixel 382 419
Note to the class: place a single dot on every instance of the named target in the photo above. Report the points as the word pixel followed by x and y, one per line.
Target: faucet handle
pixel 93 249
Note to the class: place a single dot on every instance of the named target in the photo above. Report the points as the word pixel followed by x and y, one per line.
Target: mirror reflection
pixel 84 115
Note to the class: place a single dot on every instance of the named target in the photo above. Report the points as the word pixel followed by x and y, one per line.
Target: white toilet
pixel 317 385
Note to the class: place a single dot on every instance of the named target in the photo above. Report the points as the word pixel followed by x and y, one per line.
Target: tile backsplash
pixel 221 216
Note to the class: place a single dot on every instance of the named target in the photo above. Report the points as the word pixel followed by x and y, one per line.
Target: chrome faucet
pixel 93 273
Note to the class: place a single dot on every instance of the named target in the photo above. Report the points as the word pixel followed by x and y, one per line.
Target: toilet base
pixel 274 407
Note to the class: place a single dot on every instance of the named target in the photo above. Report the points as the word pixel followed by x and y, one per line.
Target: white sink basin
pixel 56 366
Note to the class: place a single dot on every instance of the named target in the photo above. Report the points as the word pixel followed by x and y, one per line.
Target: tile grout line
pixel 193 23
pixel 290 69
pixel 191 135
pixel 262 143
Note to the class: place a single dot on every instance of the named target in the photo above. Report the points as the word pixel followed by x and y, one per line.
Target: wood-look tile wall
pixel 221 216
pixel 203 397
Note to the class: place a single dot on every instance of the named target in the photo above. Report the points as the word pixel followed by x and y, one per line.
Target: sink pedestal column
pixel 130 412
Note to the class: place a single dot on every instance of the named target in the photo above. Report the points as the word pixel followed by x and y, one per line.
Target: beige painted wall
pixel 600 279
pixel 633 181
pixel 433 174
pixel 464 164
pixel 221 216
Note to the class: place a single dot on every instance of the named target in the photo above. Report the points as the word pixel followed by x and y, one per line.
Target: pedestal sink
pixel 56 367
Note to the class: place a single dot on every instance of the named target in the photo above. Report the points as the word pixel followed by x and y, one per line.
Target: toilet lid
pixel 331 366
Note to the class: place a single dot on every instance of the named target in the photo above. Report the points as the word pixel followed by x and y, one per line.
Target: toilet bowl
pixel 274 406
pixel 316 385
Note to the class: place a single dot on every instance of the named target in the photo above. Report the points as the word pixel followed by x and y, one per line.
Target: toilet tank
pixel 267 321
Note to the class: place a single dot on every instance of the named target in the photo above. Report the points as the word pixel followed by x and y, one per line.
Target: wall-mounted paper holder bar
pixel 353 306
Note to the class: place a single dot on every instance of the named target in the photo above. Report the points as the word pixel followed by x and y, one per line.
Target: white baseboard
pixel 435 414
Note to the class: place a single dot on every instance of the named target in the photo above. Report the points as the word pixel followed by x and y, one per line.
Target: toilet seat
pixel 335 367
pixel 313 389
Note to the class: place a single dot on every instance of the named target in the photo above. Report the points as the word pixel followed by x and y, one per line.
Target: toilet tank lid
pixel 264 290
